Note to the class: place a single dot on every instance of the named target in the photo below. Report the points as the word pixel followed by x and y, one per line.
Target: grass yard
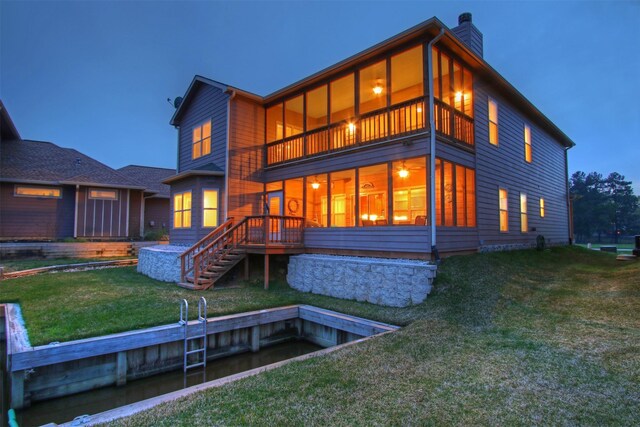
pixel 514 338
pixel 26 264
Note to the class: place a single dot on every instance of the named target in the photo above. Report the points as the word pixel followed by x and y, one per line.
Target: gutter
pixel 568 191
pixel 432 154
pixel 226 160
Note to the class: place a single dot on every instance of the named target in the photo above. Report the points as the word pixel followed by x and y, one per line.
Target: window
pixel 182 210
pixel 293 116
pixel 527 143
pixel 209 208
pixel 103 194
pixel 541 207
pixel 373 194
pixel 48 192
pixel 275 130
pixel 343 202
pixel 524 223
pixel 407 78
pixel 410 191
pixel 293 197
pixel 452 82
pixel 504 210
pixel 202 140
pixel 317 108
pixel 455 195
pixel 317 200
pixel 342 99
pixel 373 87
pixel 493 122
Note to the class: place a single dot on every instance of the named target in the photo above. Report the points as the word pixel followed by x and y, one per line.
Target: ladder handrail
pixel 184 321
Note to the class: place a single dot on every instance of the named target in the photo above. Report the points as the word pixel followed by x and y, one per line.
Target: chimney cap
pixel 464 17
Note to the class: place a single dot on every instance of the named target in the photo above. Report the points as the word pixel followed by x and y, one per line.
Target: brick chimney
pixel 468 33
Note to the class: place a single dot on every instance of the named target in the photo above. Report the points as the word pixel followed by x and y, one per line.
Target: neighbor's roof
pixel 39 162
pixel 8 130
pixel 208 169
pixel 150 177
pixel 430 27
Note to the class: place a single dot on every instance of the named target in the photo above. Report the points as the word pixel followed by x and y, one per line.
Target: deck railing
pixel 263 230
pixel 453 123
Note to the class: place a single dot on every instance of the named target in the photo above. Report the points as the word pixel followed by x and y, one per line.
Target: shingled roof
pixel 150 177
pixel 47 163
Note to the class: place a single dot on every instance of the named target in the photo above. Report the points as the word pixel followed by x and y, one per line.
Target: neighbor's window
pixel 209 208
pixel 541 207
pixel 504 210
pixel 527 143
pixel 493 122
pixel 182 210
pixel 49 192
pixel 524 223
pixel 103 194
pixel 202 140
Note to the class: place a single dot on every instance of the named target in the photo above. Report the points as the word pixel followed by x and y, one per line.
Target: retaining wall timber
pixel 70 250
pixel 390 282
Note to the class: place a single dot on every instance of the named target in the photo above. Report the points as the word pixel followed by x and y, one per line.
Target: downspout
pixel 226 161
pixel 75 214
pixel 568 190
pixel 432 154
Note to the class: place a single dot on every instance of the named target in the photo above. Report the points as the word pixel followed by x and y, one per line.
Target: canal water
pixel 65 409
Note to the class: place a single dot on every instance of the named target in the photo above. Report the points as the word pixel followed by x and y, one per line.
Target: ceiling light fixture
pixel 403 172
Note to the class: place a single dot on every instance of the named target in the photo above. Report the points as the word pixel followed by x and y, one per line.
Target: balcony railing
pixel 448 119
pixel 398 120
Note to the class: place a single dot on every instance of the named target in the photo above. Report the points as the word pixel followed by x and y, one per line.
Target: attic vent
pixel 78 161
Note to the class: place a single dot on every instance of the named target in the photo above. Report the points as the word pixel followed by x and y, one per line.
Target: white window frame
pixel 201 140
pixel 524 213
pixel 16 191
pixel 92 197
pixel 217 209
pixel 494 122
pixel 506 209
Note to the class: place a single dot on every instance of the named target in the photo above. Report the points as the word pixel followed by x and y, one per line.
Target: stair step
pixel 212 274
pixel 191 286
pixel 199 280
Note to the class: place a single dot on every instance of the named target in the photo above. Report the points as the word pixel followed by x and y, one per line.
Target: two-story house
pixel 413 148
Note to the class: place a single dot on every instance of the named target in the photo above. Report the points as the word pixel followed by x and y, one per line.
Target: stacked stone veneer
pixel 161 262
pixel 390 282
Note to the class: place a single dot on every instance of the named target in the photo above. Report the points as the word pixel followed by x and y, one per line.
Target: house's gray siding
pixel 504 166
pixel 36 217
pixel 196 185
pixel 207 102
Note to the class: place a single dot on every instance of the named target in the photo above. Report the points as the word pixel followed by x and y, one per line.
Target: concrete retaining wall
pixel 390 282
pixel 161 262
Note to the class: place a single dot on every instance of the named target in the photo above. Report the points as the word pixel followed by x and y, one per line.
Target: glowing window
pixel 524 222
pixel 407 77
pixel 210 208
pixel 275 120
pixel 342 99
pixel 201 140
pixel 493 122
pixel 373 87
pixel 48 192
pixel 504 210
pixel 527 143
pixel 182 210
pixel 317 200
pixel 317 108
pixel 541 207
pixel 293 116
pixel 103 194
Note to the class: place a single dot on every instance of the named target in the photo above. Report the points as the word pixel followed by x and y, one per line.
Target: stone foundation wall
pixel 161 262
pixel 390 282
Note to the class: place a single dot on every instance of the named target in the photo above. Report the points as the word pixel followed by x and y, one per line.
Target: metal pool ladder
pixel 202 320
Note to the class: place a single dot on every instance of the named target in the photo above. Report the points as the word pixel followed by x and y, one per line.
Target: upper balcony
pixel 378 102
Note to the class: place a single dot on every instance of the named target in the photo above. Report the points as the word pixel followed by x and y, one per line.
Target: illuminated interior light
pixel 458 96
pixel 315 184
pixel 373 217
pixel 400 218
pixel 365 216
pixel 403 172
pixel 377 89
pixel 419 109
pixel 351 127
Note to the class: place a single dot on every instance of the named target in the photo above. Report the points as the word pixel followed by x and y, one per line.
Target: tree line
pixel 603 206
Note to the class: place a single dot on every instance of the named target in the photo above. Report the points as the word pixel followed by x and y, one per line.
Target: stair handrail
pixel 186 258
pixel 208 253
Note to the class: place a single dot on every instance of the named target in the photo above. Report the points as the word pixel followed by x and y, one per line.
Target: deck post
pixel 121 368
pixel 255 338
pixel 16 394
pixel 266 272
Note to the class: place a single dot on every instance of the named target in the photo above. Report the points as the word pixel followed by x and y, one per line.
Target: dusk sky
pixel 96 75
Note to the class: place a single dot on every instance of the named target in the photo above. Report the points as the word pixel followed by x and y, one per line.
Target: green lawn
pixel 619 245
pixel 514 338
pixel 26 264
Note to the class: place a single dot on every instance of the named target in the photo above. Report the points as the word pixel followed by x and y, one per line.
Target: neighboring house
pixel 354 150
pixel 156 208
pixel 48 192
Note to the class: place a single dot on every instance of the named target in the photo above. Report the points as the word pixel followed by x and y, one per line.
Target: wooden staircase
pixel 206 262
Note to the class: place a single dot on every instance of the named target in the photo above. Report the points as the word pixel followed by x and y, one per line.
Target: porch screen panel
pixel 342 205
pixel 275 120
pixel 293 195
pixel 373 195
pixel 410 191
pixel 407 76
pixel 317 200
pixel 293 116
